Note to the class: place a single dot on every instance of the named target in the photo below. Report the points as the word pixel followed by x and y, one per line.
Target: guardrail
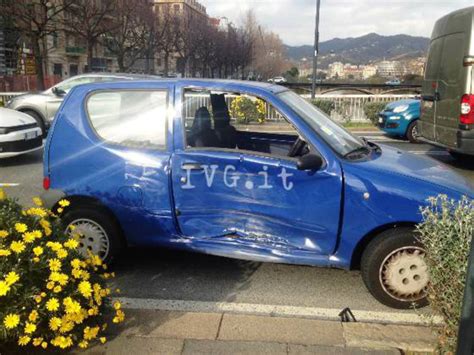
pixel 346 107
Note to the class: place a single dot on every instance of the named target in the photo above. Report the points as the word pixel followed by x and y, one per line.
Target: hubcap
pixel 91 237
pixel 404 274
pixel 414 131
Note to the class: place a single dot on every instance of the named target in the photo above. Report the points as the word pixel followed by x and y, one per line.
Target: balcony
pixel 75 51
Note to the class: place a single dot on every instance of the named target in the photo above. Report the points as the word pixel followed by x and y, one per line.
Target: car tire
pixel 99 231
pixel 412 132
pixel 38 120
pixel 394 271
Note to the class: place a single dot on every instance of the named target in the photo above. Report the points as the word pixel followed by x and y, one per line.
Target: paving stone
pixel 280 330
pixel 232 347
pixel 137 345
pixel 394 336
pixel 336 350
pixel 169 324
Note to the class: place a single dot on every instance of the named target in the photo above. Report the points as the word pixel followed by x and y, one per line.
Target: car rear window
pixel 132 118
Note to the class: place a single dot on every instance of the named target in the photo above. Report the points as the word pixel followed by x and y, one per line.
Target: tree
pixel 91 20
pixel 131 30
pixel 35 20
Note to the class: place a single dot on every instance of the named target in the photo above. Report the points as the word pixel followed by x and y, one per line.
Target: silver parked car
pixel 42 106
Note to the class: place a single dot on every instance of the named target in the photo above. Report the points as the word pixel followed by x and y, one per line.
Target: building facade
pixel 390 69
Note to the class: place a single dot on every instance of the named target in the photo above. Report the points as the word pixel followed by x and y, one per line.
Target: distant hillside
pixel 365 49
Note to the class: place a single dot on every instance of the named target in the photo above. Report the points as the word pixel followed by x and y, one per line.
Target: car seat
pixel 201 134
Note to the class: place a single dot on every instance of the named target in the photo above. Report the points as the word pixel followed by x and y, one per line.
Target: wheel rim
pixel 404 274
pixel 91 237
pixel 414 132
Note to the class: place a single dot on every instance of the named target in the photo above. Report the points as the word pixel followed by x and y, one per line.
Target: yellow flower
pixel 46 226
pixel 91 333
pixel 3 234
pixel 36 259
pixel 85 289
pixel 119 316
pixel 11 278
pixel 103 339
pixel 23 340
pixel 62 342
pixel 83 344
pixel 38 251
pixel 52 304
pixel 117 305
pixel 71 244
pixel 21 227
pixel 71 306
pixel 37 341
pixel 55 323
pixel 11 321
pixel 17 247
pixel 64 203
pixel 3 195
pixel 76 273
pixel 57 289
pixel 37 201
pixel 54 246
pixel 37 298
pixel 61 253
pixel 33 316
pixel 76 263
pixel 40 212
pixel 67 326
pixel 44 345
pixel 4 288
pixel 28 237
pixel 30 328
pixel 60 210
pixel 4 252
pixel 37 234
pixel 54 264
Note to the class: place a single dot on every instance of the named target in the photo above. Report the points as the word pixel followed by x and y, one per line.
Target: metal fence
pixel 349 108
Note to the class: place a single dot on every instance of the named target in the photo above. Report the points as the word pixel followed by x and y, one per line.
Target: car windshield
pixel 336 136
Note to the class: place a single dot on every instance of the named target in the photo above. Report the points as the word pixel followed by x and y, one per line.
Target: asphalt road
pixel 172 275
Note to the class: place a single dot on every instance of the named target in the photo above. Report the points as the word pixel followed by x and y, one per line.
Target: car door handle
pixel 191 166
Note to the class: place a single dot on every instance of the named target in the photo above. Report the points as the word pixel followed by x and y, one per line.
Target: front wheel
pixel 394 269
pixel 412 132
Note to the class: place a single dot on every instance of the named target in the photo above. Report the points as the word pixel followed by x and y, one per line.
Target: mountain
pixel 361 50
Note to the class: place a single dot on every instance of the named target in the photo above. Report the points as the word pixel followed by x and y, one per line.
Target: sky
pixel 294 20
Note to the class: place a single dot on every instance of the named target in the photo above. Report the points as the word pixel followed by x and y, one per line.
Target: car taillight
pixel 46 183
pixel 467 110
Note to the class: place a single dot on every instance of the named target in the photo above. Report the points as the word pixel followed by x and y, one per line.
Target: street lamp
pixel 316 49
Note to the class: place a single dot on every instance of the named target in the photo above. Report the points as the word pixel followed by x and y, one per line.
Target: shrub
pixel 326 106
pixel 246 110
pixel 446 234
pixel 372 109
pixel 49 293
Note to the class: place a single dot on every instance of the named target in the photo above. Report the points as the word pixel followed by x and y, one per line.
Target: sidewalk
pixel 171 332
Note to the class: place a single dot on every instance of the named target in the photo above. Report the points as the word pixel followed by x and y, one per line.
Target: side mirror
pixel 309 162
pixel 58 92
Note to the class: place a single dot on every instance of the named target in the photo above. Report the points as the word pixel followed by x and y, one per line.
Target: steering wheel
pixel 297 148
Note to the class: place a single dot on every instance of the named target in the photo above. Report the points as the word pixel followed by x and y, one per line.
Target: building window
pixel 58 69
pixel 55 39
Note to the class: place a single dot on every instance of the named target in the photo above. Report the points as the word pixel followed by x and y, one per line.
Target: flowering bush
pixel 446 235
pixel 50 295
pixel 246 110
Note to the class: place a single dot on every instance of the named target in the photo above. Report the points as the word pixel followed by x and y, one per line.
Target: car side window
pixel 230 120
pixel 134 119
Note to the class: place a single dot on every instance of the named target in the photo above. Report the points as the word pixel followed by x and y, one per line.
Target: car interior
pixel 211 126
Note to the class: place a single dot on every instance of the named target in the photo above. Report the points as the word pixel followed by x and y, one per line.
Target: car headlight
pixel 401 108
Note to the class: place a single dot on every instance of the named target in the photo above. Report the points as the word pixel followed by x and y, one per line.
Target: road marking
pixel 402 317
pixel 9 185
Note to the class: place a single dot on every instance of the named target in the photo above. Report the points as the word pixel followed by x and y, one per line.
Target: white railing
pixel 346 107
pixel 5 96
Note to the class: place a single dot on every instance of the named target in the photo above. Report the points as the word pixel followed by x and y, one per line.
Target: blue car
pixel 400 119
pixel 186 164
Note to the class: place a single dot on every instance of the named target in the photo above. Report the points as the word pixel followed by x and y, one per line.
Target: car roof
pixel 216 84
pixel 117 75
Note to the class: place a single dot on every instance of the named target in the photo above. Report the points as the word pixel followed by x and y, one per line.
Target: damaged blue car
pixel 243 170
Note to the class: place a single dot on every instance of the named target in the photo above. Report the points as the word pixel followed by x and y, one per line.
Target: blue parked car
pixel 176 163
pixel 400 119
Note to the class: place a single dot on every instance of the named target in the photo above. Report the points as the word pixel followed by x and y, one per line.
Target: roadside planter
pixel 50 295
pixel 152 163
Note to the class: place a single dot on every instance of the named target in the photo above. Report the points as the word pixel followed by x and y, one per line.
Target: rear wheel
pixel 95 230
pixel 412 132
pixel 394 269
pixel 38 120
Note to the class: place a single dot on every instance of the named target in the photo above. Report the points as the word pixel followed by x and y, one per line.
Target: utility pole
pixel 316 49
